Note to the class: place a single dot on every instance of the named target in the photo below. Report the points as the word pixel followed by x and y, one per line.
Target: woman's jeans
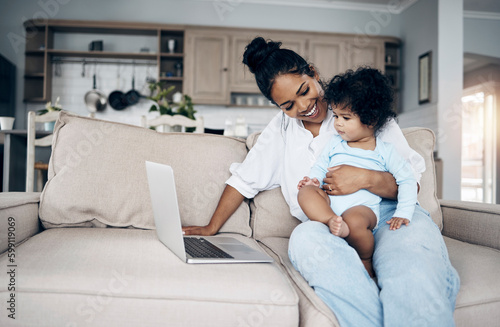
pixel 418 285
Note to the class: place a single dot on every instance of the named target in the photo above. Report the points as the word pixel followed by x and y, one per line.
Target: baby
pixel 361 101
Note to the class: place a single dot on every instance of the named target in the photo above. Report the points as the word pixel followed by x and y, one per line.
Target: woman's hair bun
pixel 257 52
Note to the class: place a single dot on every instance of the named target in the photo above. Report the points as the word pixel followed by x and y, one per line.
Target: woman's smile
pixel 313 112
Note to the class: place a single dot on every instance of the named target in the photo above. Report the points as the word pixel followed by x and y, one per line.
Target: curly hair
pixel 366 92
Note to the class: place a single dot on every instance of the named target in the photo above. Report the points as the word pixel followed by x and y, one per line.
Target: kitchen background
pixel 248 14
pixel 71 79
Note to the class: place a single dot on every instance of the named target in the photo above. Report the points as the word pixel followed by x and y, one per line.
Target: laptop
pixel 190 249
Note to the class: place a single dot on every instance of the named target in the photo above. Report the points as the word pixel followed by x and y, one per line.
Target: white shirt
pixel 286 151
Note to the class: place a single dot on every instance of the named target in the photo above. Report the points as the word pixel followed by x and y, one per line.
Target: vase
pixel 6 123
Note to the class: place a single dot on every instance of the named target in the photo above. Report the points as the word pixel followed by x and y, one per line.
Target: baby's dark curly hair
pixel 366 92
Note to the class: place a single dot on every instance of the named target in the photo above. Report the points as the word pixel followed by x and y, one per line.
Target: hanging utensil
pixel 83 68
pixel 116 98
pixel 57 69
pixel 132 96
pixel 95 99
pixel 149 80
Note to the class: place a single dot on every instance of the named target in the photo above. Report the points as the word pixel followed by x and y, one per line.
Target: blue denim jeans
pixel 417 286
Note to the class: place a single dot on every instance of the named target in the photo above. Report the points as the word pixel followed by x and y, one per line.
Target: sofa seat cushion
pixel 127 277
pixel 313 311
pixel 97 175
pixel 478 302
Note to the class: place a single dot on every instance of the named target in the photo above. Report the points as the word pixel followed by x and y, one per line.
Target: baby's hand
pixel 396 222
pixel 307 181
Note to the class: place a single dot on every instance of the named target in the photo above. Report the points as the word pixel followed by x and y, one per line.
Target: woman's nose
pixel 302 106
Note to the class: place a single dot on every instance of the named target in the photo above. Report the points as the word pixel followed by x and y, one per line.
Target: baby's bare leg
pixel 361 221
pixel 315 203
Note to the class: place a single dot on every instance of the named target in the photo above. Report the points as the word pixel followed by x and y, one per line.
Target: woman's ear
pixel 316 75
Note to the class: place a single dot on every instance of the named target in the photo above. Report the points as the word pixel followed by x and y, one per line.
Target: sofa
pixel 84 252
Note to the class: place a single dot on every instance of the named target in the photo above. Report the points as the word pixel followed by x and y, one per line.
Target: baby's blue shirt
pixel 383 158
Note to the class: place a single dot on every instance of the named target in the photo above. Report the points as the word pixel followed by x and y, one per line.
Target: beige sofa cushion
pixel 127 277
pixel 97 175
pixel 478 302
pixel 422 140
pixel 271 215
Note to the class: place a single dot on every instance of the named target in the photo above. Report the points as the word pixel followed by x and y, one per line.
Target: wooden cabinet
pixel 207 66
pixel 370 54
pixel 242 80
pixel 329 55
pixel 40 51
pixel 214 59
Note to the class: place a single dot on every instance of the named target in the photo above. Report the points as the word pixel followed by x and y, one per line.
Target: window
pixel 478 148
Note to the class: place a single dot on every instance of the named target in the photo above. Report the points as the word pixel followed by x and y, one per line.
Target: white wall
pixel 450 88
pixel 419 34
pixel 481 36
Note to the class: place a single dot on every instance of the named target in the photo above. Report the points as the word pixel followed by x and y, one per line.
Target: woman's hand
pixel 199 230
pixel 229 201
pixel 345 179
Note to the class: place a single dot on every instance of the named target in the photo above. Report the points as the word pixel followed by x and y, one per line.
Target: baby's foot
pixel 338 226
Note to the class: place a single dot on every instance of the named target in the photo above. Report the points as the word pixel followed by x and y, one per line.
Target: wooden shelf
pixel 35 52
pixel 40 53
pixel 172 55
pixel 103 54
pixel 109 27
pixel 35 100
pixel 34 75
pixel 172 79
pixel 394 66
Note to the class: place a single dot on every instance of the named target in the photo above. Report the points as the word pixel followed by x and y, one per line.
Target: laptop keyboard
pixel 201 248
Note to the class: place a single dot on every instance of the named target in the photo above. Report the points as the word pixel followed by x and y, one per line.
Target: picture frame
pixel 424 77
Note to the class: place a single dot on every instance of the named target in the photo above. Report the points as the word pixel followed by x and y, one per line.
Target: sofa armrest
pixel 18 217
pixel 471 222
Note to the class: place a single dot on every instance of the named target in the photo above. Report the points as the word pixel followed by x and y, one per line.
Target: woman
pixel 418 285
